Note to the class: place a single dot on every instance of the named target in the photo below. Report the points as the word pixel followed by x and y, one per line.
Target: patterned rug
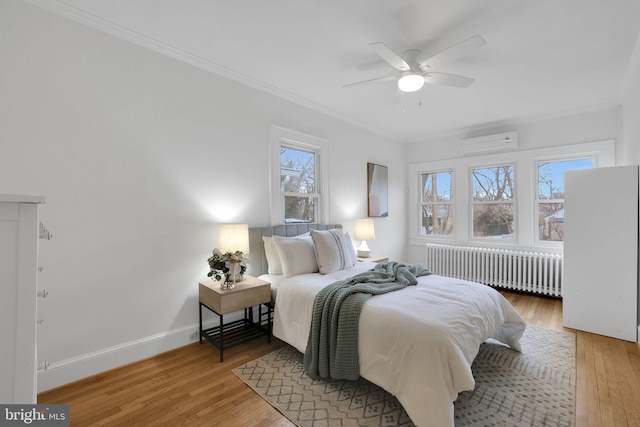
pixel 532 388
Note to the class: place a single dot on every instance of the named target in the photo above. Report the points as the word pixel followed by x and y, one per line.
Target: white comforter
pixel 417 343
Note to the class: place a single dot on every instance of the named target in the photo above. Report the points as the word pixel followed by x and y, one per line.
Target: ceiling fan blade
pixel 446 79
pixel 450 54
pixel 376 80
pixel 390 56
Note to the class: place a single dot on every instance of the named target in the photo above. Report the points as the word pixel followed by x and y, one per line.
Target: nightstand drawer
pixel 247 293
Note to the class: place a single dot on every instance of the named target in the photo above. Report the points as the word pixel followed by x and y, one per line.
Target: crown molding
pixel 63 9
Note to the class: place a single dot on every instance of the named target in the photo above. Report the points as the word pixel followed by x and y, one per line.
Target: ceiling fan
pixel 416 67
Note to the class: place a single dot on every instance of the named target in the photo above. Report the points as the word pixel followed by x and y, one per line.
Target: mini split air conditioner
pixel 490 143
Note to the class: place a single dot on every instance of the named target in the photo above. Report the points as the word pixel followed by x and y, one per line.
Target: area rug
pixel 532 388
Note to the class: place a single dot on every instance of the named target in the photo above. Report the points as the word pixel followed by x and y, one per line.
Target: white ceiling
pixel 542 57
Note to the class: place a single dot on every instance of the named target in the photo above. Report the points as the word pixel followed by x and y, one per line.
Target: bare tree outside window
pixel 550 197
pixel 436 203
pixel 493 202
pixel 298 172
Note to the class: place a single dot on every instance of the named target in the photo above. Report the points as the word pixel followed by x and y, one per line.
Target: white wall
pixel 139 157
pixel 570 129
pixel 551 132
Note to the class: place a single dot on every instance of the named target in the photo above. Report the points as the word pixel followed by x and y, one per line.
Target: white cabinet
pixel 19 233
pixel 600 282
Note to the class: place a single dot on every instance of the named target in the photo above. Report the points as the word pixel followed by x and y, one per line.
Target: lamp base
pixel 363 250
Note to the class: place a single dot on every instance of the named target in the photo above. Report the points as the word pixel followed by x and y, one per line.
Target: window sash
pixel 437 196
pixel 544 162
pixel 292 194
pixel 495 225
pixel 548 229
pixel 490 186
pixel 306 213
pixel 437 199
pixel 310 177
pixel 301 206
pixel 443 229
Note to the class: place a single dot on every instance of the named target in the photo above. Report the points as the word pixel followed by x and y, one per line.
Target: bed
pixel 418 343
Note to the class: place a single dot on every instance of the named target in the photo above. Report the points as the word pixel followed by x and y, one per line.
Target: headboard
pixel 257 260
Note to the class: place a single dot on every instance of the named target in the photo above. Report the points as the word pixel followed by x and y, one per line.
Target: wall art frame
pixel 377 190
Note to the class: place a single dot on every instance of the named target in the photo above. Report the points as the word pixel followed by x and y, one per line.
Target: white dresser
pixel 19 234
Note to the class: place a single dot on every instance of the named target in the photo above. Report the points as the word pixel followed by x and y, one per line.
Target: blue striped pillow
pixel 332 253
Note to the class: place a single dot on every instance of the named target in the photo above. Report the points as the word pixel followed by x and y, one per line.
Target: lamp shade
pixel 364 230
pixel 233 237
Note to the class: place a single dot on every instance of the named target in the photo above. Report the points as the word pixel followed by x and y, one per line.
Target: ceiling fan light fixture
pixel 410 81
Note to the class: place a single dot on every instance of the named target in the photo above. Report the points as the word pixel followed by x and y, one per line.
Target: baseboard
pixel 76 368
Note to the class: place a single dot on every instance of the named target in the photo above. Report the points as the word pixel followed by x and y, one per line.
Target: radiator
pixel 527 271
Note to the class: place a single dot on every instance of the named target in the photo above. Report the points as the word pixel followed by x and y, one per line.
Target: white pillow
pixel 297 255
pixel 350 248
pixel 332 252
pixel 274 266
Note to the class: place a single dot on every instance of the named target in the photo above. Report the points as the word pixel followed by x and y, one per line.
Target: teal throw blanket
pixel 332 348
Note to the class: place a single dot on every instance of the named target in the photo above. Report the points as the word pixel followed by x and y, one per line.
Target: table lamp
pixel 364 231
pixel 233 238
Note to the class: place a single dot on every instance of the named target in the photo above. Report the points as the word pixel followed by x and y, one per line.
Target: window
pixel 550 196
pixel 298 177
pixel 298 184
pixel 492 202
pixel 496 200
pixel 436 203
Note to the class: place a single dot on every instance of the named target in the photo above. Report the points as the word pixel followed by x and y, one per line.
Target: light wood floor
pixel 189 385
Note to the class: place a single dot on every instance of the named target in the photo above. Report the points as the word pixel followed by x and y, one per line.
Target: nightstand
pixel 374 258
pixel 246 294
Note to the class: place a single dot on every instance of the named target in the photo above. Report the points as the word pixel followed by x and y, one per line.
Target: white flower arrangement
pixel 228 264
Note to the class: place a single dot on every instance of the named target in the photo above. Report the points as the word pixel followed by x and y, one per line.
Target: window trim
pixel 297 140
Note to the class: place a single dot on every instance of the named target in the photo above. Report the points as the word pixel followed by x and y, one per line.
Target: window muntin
pixel 298 184
pixel 550 196
pixel 493 202
pixel 436 206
